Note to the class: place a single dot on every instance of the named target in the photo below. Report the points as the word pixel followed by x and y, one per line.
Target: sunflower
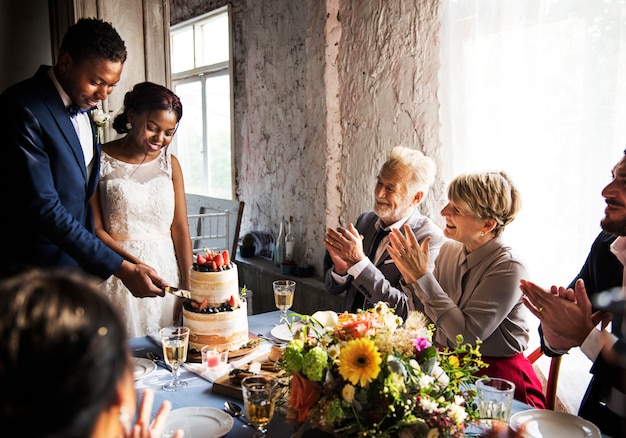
pixel 359 361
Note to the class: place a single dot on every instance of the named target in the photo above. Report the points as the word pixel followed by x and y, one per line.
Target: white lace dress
pixel 137 202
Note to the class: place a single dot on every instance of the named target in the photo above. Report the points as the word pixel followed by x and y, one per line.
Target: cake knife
pixel 180 293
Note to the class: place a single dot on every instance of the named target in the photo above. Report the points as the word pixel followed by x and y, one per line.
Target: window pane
pixel 213 44
pixel 218 131
pixel 189 148
pixel 182 50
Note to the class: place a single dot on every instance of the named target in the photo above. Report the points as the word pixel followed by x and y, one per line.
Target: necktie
pixel 74 110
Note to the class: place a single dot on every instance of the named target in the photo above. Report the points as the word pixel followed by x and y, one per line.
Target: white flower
pixel 348 393
pixel 425 381
pixel 457 413
pixel 428 404
pixel 442 378
pixel 333 351
pixel 100 118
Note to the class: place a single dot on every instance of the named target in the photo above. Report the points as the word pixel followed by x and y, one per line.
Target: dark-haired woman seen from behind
pixel 139 206
pixel 65 370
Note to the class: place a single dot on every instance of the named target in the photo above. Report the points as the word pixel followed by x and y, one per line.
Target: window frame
pixel 202 74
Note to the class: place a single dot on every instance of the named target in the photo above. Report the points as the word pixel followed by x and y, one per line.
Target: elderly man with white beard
pixel 357 261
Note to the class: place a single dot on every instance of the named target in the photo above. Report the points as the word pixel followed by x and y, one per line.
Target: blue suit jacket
pixel 45 192
pixel 382 281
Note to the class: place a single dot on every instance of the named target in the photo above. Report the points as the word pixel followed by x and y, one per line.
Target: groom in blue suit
pixel 51 162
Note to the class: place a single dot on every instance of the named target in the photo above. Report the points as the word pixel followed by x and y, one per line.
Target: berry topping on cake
pixel 211 261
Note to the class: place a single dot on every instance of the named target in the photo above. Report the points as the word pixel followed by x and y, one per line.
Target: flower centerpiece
pixel 370 375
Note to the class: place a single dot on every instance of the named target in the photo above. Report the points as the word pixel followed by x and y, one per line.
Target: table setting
pixel 201 411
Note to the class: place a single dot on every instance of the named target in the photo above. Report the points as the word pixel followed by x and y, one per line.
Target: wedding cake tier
pixel 216 315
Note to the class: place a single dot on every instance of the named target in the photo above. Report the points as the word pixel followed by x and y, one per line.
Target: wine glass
pixel 259 395
pixel 175 341
pixel 283 297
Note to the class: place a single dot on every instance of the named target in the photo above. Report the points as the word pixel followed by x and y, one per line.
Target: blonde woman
pixel 474 288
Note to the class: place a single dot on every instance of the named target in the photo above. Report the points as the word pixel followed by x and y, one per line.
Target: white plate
pixel 198 422
pixel 541 423
pixel 283 333
pixel 143 368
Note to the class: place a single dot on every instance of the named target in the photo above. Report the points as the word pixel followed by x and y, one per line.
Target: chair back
pixel 214 223
pixel 553 376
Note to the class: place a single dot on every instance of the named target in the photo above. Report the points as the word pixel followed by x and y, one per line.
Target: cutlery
pixel 180 293
pixel 270 340
pixel 157 359
pixel 236 411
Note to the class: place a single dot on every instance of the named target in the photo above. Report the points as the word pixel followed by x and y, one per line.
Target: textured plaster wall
pixel 323 90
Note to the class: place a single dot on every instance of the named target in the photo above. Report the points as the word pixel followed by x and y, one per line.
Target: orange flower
pixel 303 394
pixel 353 326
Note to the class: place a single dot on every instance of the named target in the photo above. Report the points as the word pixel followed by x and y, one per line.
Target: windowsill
pixel 258 273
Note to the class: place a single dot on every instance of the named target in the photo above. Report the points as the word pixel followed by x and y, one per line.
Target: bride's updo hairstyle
pixel 486 195
pixel 62 355
pixel 144 97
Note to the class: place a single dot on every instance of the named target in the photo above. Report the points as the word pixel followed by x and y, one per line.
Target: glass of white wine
pixel 175 341
pixel 259 396
pixel 283 297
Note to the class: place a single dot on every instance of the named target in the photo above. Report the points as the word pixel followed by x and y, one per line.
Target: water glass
pixel 495 398
pixel 259 395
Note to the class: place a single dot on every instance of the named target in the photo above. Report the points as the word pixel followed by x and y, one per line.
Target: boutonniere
pixel 101 120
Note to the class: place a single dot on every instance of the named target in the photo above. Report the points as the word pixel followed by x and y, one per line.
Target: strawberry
pixel 219 260
pixel 204 304
pixel 209 257
pixel 226 257
pixel 201 259
pixel 214 266
pixel 232 301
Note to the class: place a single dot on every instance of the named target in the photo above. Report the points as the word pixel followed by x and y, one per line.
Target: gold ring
pixel 540 309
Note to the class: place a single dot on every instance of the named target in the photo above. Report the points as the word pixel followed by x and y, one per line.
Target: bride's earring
pixel 129 126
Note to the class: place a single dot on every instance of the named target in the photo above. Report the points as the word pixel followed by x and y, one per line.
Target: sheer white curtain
pixel 538 88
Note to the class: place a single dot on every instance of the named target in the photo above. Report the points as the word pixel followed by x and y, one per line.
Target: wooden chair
pixel 214 223
pixel 553 376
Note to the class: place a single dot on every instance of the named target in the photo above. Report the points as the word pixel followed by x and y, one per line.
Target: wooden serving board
pixel 224 386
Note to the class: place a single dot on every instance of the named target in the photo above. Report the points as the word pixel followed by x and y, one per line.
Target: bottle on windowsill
pixel 290 242
pixel 279 246
pixel 288 267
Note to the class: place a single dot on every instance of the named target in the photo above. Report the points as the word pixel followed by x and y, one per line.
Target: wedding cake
pixel 216 315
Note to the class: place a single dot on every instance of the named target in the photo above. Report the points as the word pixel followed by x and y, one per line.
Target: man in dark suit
pixel 357 260
pixel 51 162
pixel 569 320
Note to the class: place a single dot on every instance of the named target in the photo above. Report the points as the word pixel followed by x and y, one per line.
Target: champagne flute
pixel 283 297
pixel 175 341
pixel 259 396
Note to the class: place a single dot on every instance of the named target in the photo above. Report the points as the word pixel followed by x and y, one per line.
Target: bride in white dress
pixel 139 206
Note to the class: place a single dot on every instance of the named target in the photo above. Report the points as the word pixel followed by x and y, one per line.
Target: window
pixel 536 88
pixel 201 78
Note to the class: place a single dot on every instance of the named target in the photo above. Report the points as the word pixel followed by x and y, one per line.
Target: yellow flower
pixel 348 393
pixel 359 361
